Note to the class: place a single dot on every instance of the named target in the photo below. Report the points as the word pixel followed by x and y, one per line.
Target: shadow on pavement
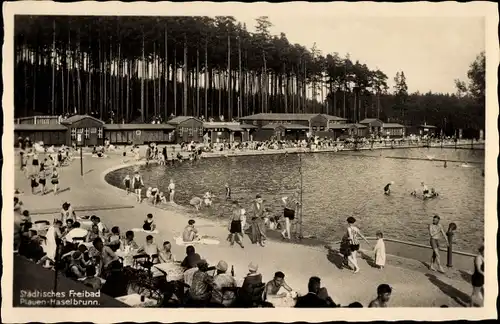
pixel 465 276
pixel 368 259
pixel 457 295
pixel 335 257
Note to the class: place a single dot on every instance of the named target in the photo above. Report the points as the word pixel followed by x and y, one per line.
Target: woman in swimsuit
pixel 127 182
pixel 35 162
pixel 477 280
pixel 137 183
pixel 42 178
pixel 290 205
pixel 235 225
pixel 55 180
pixel 352 233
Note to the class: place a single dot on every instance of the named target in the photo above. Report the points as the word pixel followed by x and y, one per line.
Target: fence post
pixel 451 232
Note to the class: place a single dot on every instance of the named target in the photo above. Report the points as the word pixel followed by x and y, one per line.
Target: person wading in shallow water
pixel 435 231
pixel 257 223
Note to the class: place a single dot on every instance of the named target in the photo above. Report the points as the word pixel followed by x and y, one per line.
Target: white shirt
pixel 76 232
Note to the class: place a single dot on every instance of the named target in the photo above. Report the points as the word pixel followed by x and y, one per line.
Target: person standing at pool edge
pixel 137 184
pixel 257 223
pixel 171 190
pixel 435 231
pixel 352 233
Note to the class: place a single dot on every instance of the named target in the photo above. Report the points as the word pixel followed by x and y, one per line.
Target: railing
pixel 422 252
pixel 36 120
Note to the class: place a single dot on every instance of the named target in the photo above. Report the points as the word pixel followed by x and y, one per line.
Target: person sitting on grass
pixel 190 233
pixel 383 296
pixel 149 224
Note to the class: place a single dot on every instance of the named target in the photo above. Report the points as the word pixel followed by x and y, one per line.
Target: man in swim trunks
pixel 387 188
pixel 435 231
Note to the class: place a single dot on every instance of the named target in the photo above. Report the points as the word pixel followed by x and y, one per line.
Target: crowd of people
pixel 84 249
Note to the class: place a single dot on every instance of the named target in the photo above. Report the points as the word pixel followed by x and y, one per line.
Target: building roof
pixel 137 126
pixel 344 126
pixel 39 127
pixel 295 117
pixel 234 128
pixel 369 120
pixel 180 119
pixel 295 126
pixel 248 126
pixel 427 126
pixel 392 125
pixel 330 117
pixel 77 118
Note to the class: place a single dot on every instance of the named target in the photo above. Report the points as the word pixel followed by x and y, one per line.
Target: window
pixel 200 131
pixel 79 130
pixel 181 131
pixel 87 133
pixel 190 131
pixel 99 133
pixel 315 128
pixel 73 133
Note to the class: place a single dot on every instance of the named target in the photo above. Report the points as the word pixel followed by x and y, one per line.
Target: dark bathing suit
pixel 477 279
pixel 387 187
pixel 235 227
pixel 127 183
pixel 289 213
pixel 147 225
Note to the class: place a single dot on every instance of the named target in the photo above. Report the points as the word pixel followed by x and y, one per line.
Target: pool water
pixel 338 185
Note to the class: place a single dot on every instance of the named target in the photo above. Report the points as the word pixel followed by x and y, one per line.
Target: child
pixel 149 224
pixel 34 184
pixel 380 251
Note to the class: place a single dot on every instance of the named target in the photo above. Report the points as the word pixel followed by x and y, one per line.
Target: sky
pixel 432 51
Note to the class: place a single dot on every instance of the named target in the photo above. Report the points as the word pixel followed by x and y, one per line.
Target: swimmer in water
pixel 228 192
pixel 425 190
pixel 387 188
pixel 445 165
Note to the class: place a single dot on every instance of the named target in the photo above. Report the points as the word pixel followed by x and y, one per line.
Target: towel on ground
pixel 201 241
pixel 144 231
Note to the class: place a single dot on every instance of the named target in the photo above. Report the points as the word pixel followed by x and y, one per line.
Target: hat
pixel 221 266
pixel 253 267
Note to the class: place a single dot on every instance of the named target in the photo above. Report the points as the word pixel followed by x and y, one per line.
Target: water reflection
pixel 338 185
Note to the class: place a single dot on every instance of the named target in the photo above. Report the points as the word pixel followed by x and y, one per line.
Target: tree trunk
pixel 207 81
pixel 197 85
pixel 240 81
pixel 53 66
pixel 185 79
pixel 229 108
pixel 142 78
pixel 166 73
pixel 175 79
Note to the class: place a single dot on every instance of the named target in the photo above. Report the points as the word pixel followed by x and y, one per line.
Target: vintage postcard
pixel 240 158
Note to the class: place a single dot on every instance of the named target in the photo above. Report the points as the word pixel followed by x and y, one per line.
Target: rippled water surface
pixel 338 185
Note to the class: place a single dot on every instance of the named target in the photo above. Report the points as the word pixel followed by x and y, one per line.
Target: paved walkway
pixel 413 285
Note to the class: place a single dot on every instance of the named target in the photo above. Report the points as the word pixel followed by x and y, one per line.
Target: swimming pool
pixel 338 185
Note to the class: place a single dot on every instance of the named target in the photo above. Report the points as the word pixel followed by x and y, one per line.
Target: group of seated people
pixel 105 260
